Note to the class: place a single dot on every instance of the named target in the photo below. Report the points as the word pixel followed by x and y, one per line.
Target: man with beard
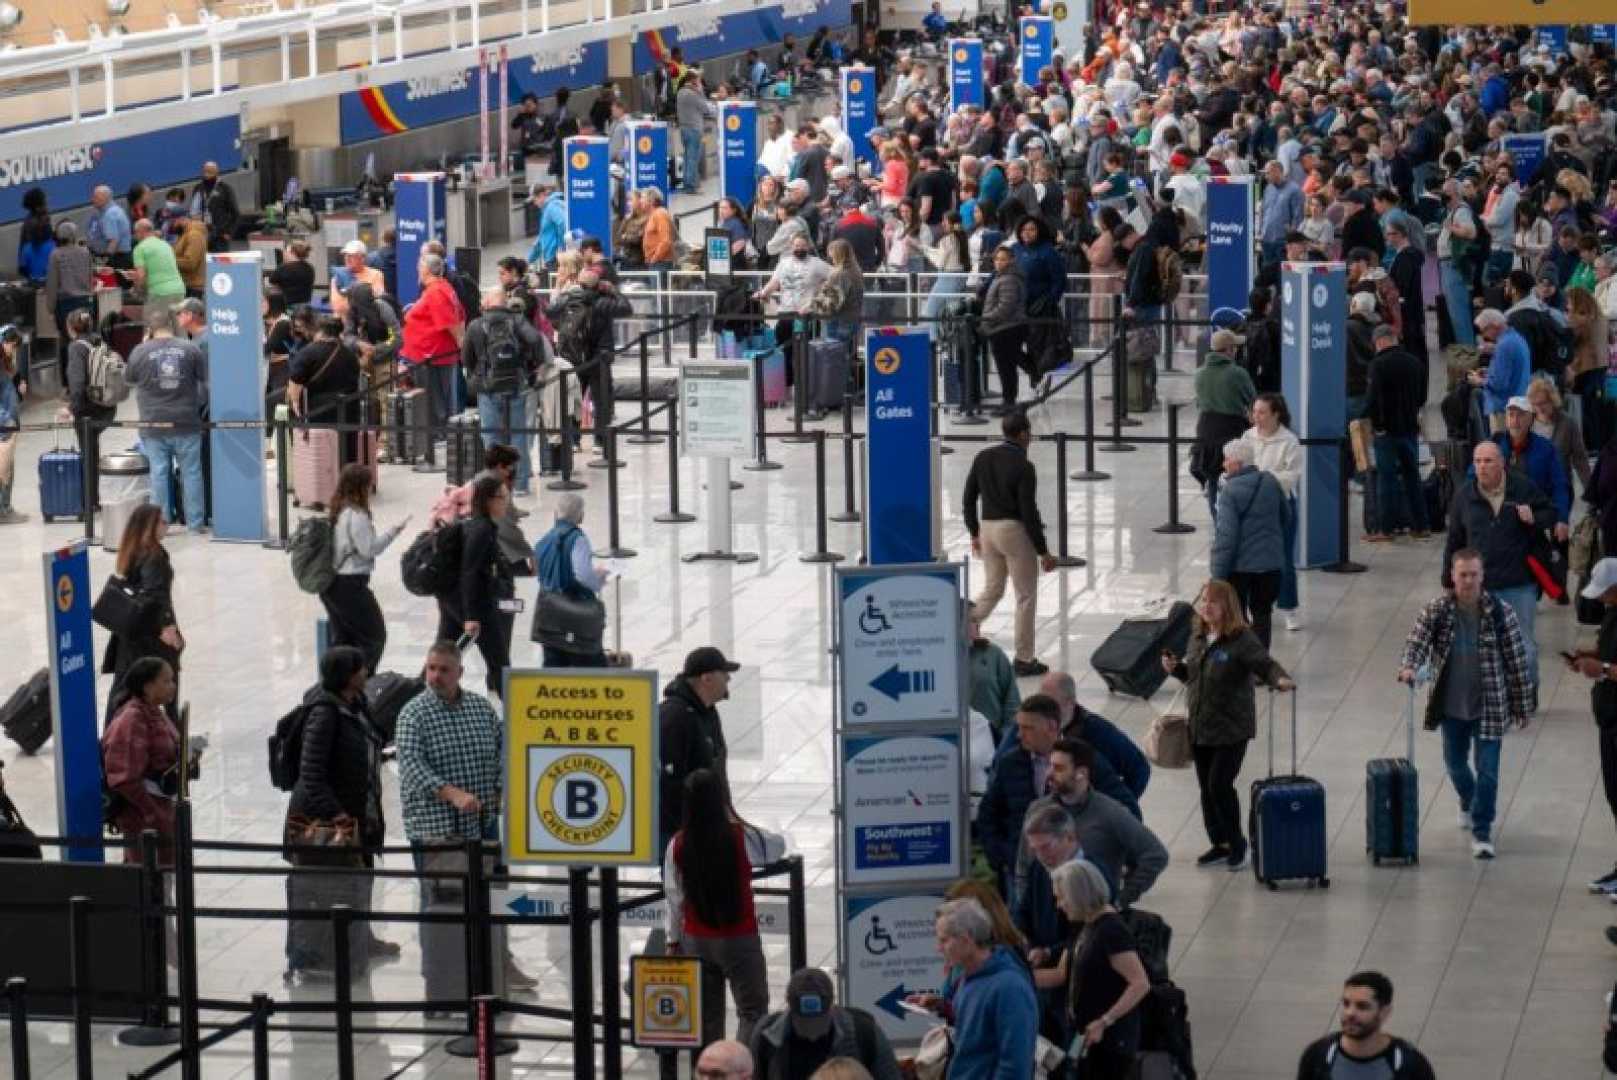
pixel 1362 1048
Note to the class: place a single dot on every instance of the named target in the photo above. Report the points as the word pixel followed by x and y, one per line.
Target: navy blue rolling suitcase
pixel 1392 803
pixel 1287 824
pixel 61 484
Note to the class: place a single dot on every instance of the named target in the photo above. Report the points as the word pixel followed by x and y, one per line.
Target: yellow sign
pixel 854 86
pixel 886 361
pixel 960 56
pixel 581 767
pixel 1524 12
pixel 581 160
pixel 64 594
pixel 644 143
pixel 1031 32
pixel 733 122
pixel 666 1000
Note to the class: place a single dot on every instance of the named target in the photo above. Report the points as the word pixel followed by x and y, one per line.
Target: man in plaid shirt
pixel 1472 642
pixel 451 747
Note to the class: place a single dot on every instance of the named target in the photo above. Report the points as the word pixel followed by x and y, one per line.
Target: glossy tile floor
pixel 1500 968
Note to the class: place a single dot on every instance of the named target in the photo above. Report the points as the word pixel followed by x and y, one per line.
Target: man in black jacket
pixel 1018 778
pixel 1392 405
pixel 813 1029
pixel 1009 537
pixel 691 733
pixel 1362 1045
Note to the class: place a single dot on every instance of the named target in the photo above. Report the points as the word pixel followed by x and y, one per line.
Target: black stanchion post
pixel 1343 564
pixel 674 516
pixel 606 457
pixel 583 980
pixel 17 1002
pixel 800 387
pixel 1174 525
pixel 87 465
pixel 569 432
pixel 796 915
pixel 696 334
pixel 153 1029
pixel 78 939
pixel 645 434
pixel 761 462
pixel 933 394
pixel 615 548
pixel 1064 558
pixel 850 509
pixel 819 554
pixel 185 902
pixel 611 992
pixel 483 1032
pixel 261 1015
pixel 283 480
pixel 342 917
pixel 1089 472
pixel 1120 365
pixel 971 382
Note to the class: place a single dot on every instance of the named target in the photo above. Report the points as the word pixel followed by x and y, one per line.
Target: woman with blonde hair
pixel 568 266
pixel 1225 659
pixel 1591 357
pixel 841 296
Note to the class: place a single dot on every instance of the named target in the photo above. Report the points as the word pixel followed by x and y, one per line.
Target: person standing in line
pixel 1249 535
pixel 1482 686
pixel 13 385
pixel 1105 978
pixel 1600 665
pixel 69 276
pixel 144 566
pixel 108 234
pixel 1004 324
pixel 434 328
pixel 1362 1048
pixel 89 418
pixel 994 692
pixel 692 735
pixel 1224 395
pixel 707 874
pixel 1509 369
pixel 724 1060
pixel 1393 407
pixel 139 748
pixel 995 1008
pixel 156 271
pixel 1009 535
pixel 1277 452
pixel 355 616
pixel 566 564
pixel 485 584
pixel 1226 659
pixel 692 110
pixel 170 378
pixel 500 355
pixel 813 1032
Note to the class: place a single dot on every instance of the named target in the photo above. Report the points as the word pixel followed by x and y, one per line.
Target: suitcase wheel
pixel 1273 886
pixel 1375 860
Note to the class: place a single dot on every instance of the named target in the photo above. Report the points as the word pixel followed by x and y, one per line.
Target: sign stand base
pixel 143 1035
pixel 718 518
pixel 466 1047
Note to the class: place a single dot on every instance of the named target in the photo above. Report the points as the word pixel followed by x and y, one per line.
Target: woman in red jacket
pixel 707 873
pixel 140 752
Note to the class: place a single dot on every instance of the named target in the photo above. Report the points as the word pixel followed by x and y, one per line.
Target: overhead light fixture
pixel 10 16
pixel 117 9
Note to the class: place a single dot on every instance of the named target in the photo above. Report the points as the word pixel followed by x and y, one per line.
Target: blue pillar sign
pixel 418 211
pixel 1231 265
pixel 1554 37
pixel 738 150
pixel 1527 151
pixel 588 183
pixel 648 156
pixel 965 72
pixel 1313 368
pixel 236 373
pixel 898 447
pixel 1603 34
pixel 1037 44
pixel 71 651
pixel 859 111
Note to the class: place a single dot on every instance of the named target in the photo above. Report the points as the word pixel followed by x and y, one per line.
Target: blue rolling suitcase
pixel 1392 803
pixel 1287 824
pixel 61 484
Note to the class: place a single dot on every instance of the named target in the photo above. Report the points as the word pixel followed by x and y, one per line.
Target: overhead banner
pixel 890 951
pixel 902 797
pixel 1231 239
pixel 1527 152
pixel 738 150
pixel 71 651
pixel 418 216
pixel 859 111
pixel 965 73
pixel 1603 34
pixel 648 156
pixel 700 37
pixel 1516 12
pixel 1313 346
pixel 236 373
pixel 581 767
pixel 900 645
pixel 1037 44
pixel 898 447
pixel 588 183
pixel 1553 37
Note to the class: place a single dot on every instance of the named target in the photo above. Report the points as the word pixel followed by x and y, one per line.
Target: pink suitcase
pixel 316 463
pixel 773 363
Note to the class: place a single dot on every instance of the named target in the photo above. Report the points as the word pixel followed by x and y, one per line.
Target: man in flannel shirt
pixel 1471 642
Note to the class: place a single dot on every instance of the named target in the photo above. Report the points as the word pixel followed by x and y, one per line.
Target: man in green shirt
pixel 155 271
pixel 1224 396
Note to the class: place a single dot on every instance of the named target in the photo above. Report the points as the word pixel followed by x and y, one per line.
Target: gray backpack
pixel 104 375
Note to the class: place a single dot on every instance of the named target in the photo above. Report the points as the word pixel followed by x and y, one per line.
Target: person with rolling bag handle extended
pixel 1392 801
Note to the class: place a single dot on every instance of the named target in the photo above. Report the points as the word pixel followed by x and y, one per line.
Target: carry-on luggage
pixel 314 466
pixel 1130 660
pixel 61 484
pixel 387 693
pixel 407 419
pixel 310 943
pixel 1392 802
pixel 443 944
pixel 463 450
pixel 26 715
pixel 827 372
pixel 772 362
pixel 1287 820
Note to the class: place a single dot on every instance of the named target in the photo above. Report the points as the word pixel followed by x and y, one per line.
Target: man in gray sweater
pixel 170 379
pixel 1111 837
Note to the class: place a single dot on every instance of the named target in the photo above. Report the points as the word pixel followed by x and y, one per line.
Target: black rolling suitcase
pixel 827 361
pixel 1130 660
pixel 26 716
pixel 1392 802
pixel 387 693
pixel 463 450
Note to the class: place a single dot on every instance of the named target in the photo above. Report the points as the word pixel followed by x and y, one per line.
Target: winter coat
pixel 692 738
pixel 153 580
pixel 1248 536
pixel 140 745
pixel 1219 675
pixel 1005 303
pixel 340 770
pixel 1503 539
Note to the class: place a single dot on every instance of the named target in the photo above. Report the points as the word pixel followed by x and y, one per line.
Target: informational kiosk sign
pixel 859 110
pixel 904 808
pixel 236 373
pixel 1231 240
pixel 890 952
pixel 648 156
pixel 717 405
pixel 666 1002
pixel 898 447
pixel 1037 45
pixel 901 644
pixel 418 214
pixel 738 150
pixel 965 73
pixel 581 767
pixel 588 182
pixel 1313 358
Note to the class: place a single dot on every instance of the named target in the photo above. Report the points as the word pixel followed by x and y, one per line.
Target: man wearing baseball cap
pixel 692 735
pixel 353 271
pixel 813 1029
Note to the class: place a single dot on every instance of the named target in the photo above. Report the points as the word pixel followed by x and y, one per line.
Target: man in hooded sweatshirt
pixel 1045 273
pixel 691 733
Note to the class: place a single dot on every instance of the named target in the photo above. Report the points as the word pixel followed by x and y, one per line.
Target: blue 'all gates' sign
pixel 898 447
pixel 965 72
pixel 648 156
pixel 68 175
pixel 738 150
pixel 73 711
pixel 859 110
pixel 1037 43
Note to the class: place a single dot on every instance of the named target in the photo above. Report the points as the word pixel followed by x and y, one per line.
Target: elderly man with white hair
pixel 1249 534
pixel 569 583
pixel 109 234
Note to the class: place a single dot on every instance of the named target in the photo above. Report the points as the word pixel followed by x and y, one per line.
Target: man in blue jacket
pixel 1018 777
pixel 1509 368
pixel 1532 454
pixel 996 1016
pixel 1076 722
pixel 552 226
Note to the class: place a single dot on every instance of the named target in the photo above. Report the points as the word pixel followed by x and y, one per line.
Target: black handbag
pixel 118 608
pixel 16 839
pixel 570 622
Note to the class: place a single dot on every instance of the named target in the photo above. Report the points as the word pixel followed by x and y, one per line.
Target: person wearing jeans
pixel 169 376
pixel 691 111
pixel 1392 405
pixel 1470 640
pixel 166 453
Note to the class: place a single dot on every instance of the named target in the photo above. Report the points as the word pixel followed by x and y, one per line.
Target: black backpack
pixel 573 338
pixel 507 362
pixel 286 748
pixel 430 566
pixel 1548 342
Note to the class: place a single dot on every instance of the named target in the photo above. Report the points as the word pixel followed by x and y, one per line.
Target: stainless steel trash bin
pixel 125 484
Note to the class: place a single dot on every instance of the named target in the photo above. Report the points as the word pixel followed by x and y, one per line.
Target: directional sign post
pixel 891 952
pixel 901 645
pixel 904 810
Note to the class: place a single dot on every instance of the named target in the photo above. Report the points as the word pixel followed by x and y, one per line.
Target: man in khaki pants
pixel 1010 536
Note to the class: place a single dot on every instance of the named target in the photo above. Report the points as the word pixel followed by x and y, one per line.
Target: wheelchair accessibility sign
pixel 581 758
pixel 666 1002
pixel 901 641
pixel 890 952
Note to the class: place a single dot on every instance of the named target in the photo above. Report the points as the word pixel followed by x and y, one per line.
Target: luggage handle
pixel 1293 693
pixel 1409 715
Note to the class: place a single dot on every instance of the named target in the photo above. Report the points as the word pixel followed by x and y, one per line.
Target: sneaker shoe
pixel 1464 820
pixel 1482 849
pixel 1025 668
pixel 1236 860
pixel 12 517
pixel 1605 882
pixel 1213 856
pixel 1293 623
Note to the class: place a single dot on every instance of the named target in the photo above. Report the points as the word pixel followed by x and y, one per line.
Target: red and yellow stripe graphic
pixel 380 112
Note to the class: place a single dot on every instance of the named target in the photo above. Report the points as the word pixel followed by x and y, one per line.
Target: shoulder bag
pixel 1167 740
pixel 118 608
pixel 16 839
pixel 571 619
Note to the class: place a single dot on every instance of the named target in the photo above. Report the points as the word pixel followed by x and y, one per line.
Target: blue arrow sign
pixel 889 1001
pixel 523 905
pixel 895 683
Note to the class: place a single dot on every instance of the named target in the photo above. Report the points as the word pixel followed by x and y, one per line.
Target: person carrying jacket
pixel 1224 397
pixel 691 733
pixel 1249 535
pixel 813 1029
pixel 1004 322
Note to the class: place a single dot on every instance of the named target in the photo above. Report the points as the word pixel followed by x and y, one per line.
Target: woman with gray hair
pixel 1104 976
pixel 1249 534
pixel 569 618
pixel 69 280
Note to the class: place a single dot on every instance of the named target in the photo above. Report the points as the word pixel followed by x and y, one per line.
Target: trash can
pixel 125 484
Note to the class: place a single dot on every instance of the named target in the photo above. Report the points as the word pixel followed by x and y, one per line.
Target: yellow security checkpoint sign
pixel 581 767
pixel 666 1002
pixel 1511 12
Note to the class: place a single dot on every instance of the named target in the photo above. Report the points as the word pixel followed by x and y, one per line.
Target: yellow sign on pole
pixel 581 767
pixel 666 1002
pixel 1510 12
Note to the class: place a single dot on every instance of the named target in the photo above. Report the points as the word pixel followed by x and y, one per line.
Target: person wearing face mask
pixel 795 281
pixel 692 735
